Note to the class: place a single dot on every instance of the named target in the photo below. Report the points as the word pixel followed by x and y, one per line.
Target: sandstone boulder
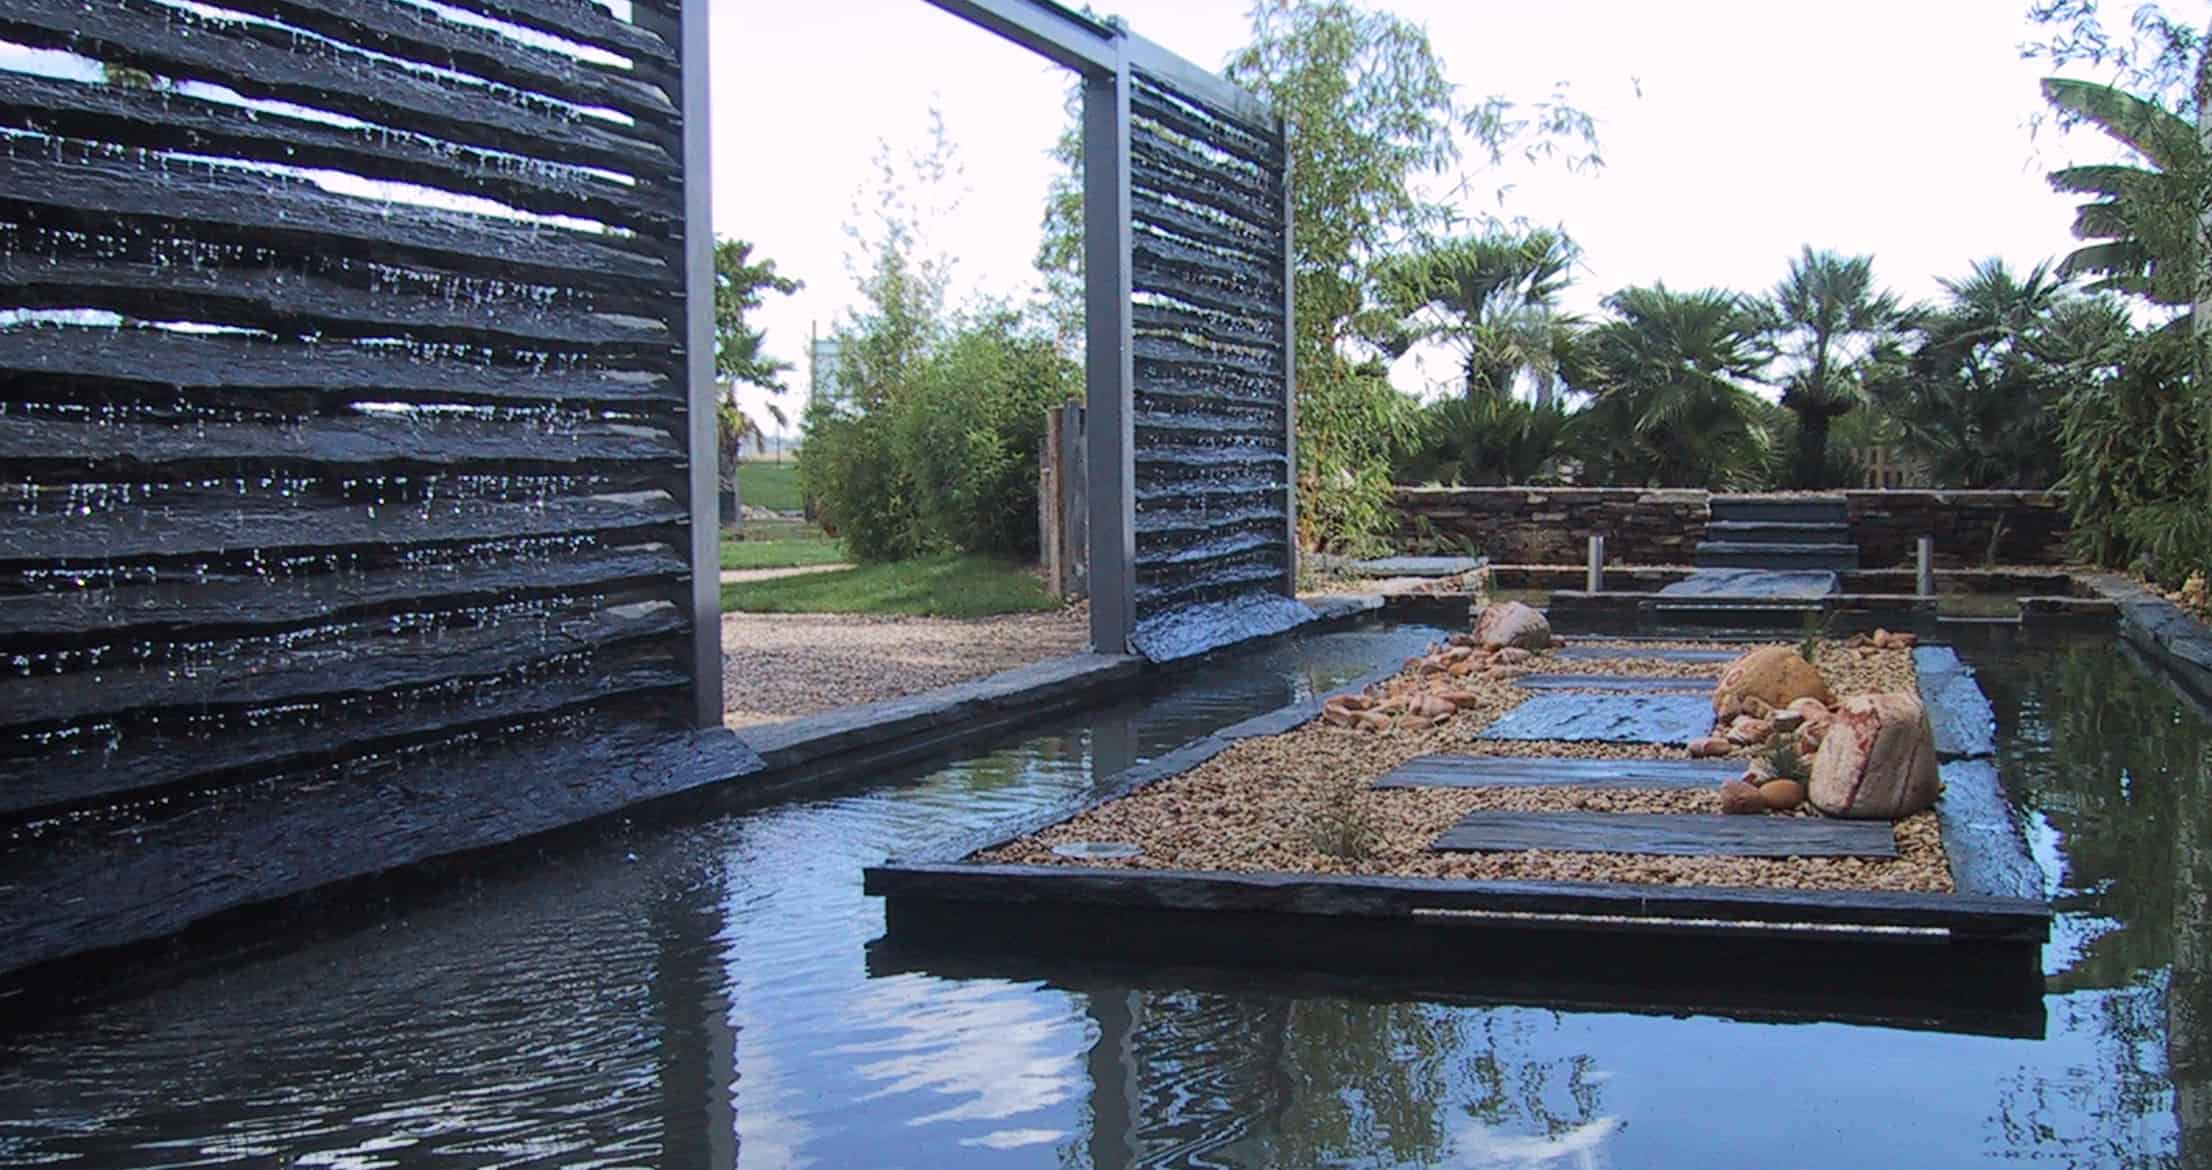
pixel 1782 795
pixel 1709 747
pixel 1877 760
pixel 1774 675
pixel 1740 799
pixel 1511 623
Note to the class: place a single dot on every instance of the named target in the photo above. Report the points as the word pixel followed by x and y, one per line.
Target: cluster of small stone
pixel 1505 642
pixel 1881 767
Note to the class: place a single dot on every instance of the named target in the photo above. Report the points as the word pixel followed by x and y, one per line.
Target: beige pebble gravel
pixel 782 666
pixel 1300 801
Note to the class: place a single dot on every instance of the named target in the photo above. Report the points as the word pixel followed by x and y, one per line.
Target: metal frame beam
pixel 1062 35
pixel 698 335
pixel 1109 376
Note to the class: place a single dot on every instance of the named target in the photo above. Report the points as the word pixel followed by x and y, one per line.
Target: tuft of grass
pixel 1341 829
pixel 769 485
pixel 780 554
pixel 948 586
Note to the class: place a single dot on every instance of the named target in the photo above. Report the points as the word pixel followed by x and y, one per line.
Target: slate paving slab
pixel 1763 584
pixel 1556 772
pixel 1607 653
pixel 1661 719
pixel 1417 566
pixel 1965 724
pixel 1658 684
pixel 1673 834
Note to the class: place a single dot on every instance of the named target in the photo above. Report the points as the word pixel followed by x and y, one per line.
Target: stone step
pixel 1776 532
pixel 1745 555
pixel 1780 509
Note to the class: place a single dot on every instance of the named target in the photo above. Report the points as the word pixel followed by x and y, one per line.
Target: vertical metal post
pixel 1594 579
pixel 1290 376
pixel 1109 375
pixel 698 335
pixel 1925 581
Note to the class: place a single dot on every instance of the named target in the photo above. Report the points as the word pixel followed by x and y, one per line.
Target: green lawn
pixel 780 554
pixel 763 484
pixel 957 587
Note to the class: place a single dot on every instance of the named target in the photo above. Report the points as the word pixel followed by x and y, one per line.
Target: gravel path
pixel 781 666
pixel 1300 802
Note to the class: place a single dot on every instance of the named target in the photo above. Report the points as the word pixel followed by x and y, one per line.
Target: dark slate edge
pixel 1442 771
pixel 1966 915
pixel 1965 725
pixel 1661 719
pixel 2162 630
pixel 1981 836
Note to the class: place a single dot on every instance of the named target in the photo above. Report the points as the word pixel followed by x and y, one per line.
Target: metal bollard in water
pixel 1594 582
pixel 1926 582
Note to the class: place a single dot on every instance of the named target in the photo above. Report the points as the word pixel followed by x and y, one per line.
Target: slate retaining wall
pixel 1538 525
pixel 1645 526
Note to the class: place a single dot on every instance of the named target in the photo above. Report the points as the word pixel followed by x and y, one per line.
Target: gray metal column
pixel 1290 374
pixel 1109 375
pixel 706 562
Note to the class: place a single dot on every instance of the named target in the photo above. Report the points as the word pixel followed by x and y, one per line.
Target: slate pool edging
pixel 2163 631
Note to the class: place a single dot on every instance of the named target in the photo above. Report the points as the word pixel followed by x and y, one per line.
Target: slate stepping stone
pixel 1661 719
pixel 1591 653
pixel 1670 834
pixel 1765 584
pixel 1616 682
pixel 1965 725
pixel 1555 772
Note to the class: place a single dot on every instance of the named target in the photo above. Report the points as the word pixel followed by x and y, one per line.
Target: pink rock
pixel 1877 760
pixel 1746 731
pixel 1709 747
pixel 1738 798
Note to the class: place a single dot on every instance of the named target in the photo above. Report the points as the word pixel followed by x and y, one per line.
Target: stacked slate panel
pixel 1212 401
pixel 342 407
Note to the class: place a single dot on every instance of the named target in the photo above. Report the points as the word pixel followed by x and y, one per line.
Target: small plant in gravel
pixel 1784 762
pixel 1342 830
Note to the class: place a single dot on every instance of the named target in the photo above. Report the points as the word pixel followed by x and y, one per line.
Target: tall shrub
pixel 2135 449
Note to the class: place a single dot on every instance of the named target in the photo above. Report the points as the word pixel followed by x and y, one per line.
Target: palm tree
pixel 2144 227
pixel 1979 406
pixel 1669 374
pixel 1494 297
pixel 1831 330
pixel 1485 441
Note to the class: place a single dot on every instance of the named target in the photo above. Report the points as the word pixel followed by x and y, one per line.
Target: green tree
pixel 1486 440
pixel 1669 374
pixel 1979 408
pixel 740 356
pixel 1831 331
pixel 1494 297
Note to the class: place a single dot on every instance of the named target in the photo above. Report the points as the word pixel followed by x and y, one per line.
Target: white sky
pixel 1733 131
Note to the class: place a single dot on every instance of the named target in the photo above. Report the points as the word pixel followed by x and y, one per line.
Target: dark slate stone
pixel 1753 583
pixel 1667 719
pixel 1981 837
pixel 1676 834
pixel 1965 725
pixel 1190 630
pixel 1555 772
pixel 1417 566
pixel 1654 684
pixel 1590 653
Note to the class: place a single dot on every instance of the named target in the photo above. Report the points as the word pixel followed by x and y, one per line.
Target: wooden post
pixel 1051 535
pixel 1925 580
pixel 1594 579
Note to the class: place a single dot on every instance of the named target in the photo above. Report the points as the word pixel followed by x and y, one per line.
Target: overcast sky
pixel 1733 132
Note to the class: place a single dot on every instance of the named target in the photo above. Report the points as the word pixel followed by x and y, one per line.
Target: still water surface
pixel 703 994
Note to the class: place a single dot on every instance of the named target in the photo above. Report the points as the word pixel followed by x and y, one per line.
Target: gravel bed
pixel 782 666
pixel 1300 802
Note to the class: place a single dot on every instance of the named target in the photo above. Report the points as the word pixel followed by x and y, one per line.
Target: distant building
pixel 822 371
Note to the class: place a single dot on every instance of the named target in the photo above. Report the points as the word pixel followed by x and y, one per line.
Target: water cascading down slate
pixel 1213 400
pixel 387 551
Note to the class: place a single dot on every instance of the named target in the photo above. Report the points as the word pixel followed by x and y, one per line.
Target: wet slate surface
pixel 1646 683
pixel 1753 583
pixel 1665 719
pixel 1557 772
pixel 1191 630
pixel 1673 834
pixel 1982 840
pixel 1965 725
